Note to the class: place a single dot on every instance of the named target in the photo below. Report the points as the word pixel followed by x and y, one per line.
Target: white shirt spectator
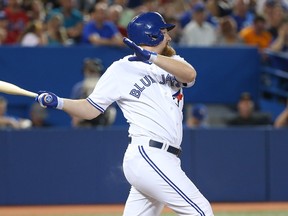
pixel 30 39
pixel 33 35
pixel 196 35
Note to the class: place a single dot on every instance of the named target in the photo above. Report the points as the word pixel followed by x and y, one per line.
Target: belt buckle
pixel 165 146
pixel 171 149
pixel 179 152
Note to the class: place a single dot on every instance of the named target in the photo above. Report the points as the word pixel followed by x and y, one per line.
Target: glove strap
pixel 153 57
pixel 60 103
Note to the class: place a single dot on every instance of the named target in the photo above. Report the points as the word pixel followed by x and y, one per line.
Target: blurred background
pixel 235 118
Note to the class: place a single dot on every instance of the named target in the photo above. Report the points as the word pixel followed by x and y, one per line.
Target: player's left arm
pixel 183 71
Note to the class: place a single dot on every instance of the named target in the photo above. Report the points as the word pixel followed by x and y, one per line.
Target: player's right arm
pixel 80 108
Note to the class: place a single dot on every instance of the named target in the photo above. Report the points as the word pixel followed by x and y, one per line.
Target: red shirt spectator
pixel 17 20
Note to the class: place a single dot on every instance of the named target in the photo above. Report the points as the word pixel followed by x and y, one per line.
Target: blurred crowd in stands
pixel 261 23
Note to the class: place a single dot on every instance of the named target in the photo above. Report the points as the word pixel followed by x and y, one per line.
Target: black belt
pixel 159 145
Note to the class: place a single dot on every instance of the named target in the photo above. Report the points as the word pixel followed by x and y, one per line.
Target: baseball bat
pixel 9 88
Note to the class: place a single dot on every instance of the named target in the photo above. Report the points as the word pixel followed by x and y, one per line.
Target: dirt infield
pixel 261 206
pixel 98 209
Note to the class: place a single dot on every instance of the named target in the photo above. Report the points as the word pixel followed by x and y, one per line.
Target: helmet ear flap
pixel 156 39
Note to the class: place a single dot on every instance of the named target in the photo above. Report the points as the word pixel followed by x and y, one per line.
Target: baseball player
pixel 147 86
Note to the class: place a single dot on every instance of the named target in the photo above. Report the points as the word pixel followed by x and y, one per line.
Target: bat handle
pixel 29 94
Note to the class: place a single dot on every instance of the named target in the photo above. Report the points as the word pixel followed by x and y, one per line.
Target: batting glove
pixel 49 99
pixel 141 54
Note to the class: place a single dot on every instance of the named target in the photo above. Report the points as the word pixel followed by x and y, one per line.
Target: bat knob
pixel 48 98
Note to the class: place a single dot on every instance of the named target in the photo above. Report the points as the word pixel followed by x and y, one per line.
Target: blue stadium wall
pixel 83 166
pixel 62 165
pixel 223 73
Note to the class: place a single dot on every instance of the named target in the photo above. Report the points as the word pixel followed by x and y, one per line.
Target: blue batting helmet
pixel 145 29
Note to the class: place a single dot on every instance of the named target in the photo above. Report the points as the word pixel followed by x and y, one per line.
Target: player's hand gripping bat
pixel 9 88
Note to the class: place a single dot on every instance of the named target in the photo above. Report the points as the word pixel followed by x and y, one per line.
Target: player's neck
pixel 152 49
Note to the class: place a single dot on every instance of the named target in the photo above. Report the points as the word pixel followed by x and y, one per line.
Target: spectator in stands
pixel 174 9
pixel 2 5
pixel 99 31
pixel 198 117
pixel 33 35
pixel 282 118
pixel 56 34
pixel 185 17
pixel 259 7
pixel 198 32
pixel 274 14
pixel 173 12
pixel 3 35
pixel 35 10
pixel 17 20
pixel 51 4
pixel 3 27
pixel 210 16
pixel 72 19
pixel 8 121
pixel 257 34
pixel 127 13
pixel 85 6
pixel 92 71
pixel 219 8
pixel 280 44
pixel 246 114
pixel 114 14
pixel 253 6
pixel 227 32
pixel 241 14
pixel 176 32
pixel 38 116
pixel 147 5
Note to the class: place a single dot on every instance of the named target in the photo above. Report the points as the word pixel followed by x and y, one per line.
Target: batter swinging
pixel 147 86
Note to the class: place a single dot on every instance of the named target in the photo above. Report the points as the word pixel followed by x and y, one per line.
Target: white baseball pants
pixel 158 180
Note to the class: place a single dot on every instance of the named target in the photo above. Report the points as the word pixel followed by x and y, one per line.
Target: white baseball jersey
pixel 150 98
